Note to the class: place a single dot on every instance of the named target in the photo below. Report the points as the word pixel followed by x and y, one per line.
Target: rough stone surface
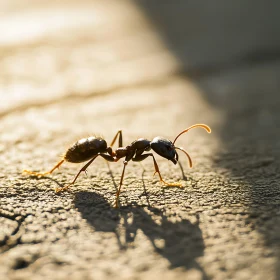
pixel 70 69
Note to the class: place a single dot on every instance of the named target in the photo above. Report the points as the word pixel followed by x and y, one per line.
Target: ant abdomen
pixel 85 149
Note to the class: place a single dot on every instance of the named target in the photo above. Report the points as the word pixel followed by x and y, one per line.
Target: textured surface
pixel 74 68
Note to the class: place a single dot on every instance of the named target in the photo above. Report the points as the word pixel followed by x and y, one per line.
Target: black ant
pixel 92 147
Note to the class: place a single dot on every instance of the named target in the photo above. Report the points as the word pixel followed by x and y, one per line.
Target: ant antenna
pixel 190 160
pixel 206 127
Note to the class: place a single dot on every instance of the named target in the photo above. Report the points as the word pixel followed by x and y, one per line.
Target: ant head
pixel 167 149
pixel 164 148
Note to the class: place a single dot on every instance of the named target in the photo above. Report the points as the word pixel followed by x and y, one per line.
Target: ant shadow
pixel 180 243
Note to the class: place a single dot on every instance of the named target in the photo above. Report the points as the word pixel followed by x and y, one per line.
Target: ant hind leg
pixel 84 168
pixel 40 174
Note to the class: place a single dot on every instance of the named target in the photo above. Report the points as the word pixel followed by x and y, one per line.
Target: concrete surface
pixel 74 68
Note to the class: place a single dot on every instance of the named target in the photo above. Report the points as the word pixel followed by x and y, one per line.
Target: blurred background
pixel 69 69
pixel 226 54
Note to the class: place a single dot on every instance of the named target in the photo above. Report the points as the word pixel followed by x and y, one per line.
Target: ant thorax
pixel 120 152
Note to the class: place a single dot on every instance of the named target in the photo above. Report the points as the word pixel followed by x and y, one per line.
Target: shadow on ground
pixel 231 48
pixel 180 242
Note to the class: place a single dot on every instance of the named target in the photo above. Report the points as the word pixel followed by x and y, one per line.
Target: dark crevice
pixel 20 264
pixel 14 238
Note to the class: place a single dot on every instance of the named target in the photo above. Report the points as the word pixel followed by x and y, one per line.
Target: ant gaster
pixel 92 147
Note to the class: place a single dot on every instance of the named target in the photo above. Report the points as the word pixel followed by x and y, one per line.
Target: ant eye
pixel 169 148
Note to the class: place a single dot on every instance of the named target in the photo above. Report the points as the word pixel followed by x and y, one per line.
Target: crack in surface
pixel 14 238
pixel 195 73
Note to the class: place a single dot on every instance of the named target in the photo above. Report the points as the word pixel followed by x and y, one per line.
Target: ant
pixel 92 147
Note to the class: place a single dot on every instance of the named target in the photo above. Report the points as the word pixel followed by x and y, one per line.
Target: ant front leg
pixel 84 168
pixel 39 174
pixel 144 156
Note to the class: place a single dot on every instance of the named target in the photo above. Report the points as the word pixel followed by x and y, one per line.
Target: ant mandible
pixel 92 147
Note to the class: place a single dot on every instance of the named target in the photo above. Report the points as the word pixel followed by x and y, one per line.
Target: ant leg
pixel 119 190
pixel 44 173
pixel 84 168
pixel 142 157
pixel 119 133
